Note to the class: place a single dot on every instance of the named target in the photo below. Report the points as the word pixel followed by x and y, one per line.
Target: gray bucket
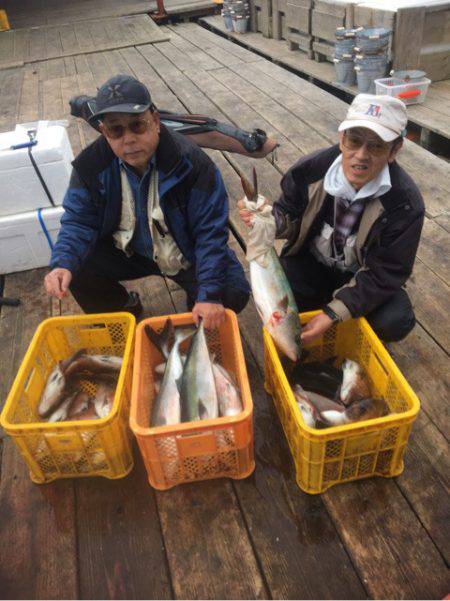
pixel 367 73
pixel 228 21
pixel 240 24
pixel 345 72
pixel 373 40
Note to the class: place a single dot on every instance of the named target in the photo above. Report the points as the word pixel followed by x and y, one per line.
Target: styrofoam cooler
pixel 20 187
pixel 23 243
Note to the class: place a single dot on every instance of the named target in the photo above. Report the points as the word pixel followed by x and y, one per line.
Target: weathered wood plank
pixel 36 521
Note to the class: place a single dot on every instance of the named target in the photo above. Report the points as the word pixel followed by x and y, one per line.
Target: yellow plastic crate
pixel 71 449
pixel 360 450
pixel 4 23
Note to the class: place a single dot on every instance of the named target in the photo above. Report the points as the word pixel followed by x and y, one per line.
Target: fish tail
pixel 161 341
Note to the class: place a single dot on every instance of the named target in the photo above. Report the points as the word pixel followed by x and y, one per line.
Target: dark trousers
pixel 96 286
pixel 314 283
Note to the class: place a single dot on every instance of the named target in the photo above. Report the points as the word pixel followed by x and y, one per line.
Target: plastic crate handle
pixel 409 94
pixel 193 445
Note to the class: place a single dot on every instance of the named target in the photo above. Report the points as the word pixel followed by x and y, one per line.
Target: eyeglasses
pixel 353 141
pixel 117 130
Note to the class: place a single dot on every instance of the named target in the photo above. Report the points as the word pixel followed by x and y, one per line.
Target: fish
pixel 88 413
pixel 94 363
pixel 198 388
pixel 166 409
pixel 355 385
pixel 104 395
pixel 161 340
pixel 314 404
pixel 360 410
pixel 79 404
pixel 317 376
pixel 55 385
pixel 272 293
pixel 62 411
pixel 227 392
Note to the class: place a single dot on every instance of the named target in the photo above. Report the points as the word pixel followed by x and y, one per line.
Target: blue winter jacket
pixel 193 200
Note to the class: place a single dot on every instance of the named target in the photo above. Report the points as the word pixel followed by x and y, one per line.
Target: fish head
pixel 368 408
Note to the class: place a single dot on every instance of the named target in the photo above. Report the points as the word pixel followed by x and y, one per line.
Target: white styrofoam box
pixel 23 244
pixel 20 188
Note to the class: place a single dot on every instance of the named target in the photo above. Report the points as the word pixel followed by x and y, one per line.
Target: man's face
pixel 133 138
pixel 364 155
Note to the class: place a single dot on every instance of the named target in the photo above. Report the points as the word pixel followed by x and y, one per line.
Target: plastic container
pixel 20 187
pixel 192 451
pixel 411 92
pixel 375 447
pixel 71 449
pixel 345 71
pixel 23 241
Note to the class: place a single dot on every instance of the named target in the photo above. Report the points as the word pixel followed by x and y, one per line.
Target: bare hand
pixel 316 327
pixel 245 215
pixel 57 282
pixel 213 314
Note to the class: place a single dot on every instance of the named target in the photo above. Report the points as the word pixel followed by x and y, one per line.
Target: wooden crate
pixel 261 17
pixel 279 21
pixel 327 16
pixel 298 25
pixel 421 34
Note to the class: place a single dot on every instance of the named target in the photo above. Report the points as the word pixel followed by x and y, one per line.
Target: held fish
pixel 272 293
pixel 355 385
pixel 198 389
pixel 227 392
pixel 166 408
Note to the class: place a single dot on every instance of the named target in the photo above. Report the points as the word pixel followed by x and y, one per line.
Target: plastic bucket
pixel 373 40
pixel 366 73
pixel 240 24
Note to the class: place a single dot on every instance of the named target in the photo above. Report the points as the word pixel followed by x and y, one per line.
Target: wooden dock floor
pixel 433 116
pixel 262 537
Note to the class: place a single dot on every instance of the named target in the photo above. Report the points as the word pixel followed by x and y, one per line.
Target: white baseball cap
pixel 385 115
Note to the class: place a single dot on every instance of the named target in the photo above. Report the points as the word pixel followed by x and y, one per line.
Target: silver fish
pixel 198 389
pixel 166 409
pixel 355 385
pixel 54 388
pixel 161 340
pixel 88 413
pixel 308 413
pixel 227 392
pixel 104 395
pixel 273 295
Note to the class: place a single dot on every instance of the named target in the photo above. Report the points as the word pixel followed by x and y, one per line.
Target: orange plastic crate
pixel 192 451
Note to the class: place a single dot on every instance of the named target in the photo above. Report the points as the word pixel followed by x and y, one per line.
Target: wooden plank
pixel 37 43
pixel 29 96
pixel 54 46
pixel 209 553
pixel 198 58
pixel 84 37
pixel 409 24
pixel 434 249
pixel 50 535
pixel 430 295
pixel 379 530
pixel 9 98
pixel 121 551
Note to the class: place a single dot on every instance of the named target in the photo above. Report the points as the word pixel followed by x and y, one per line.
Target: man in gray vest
pixel 144 201
pixel 352 219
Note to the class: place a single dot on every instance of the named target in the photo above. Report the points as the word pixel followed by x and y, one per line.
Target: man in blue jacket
pixel 143 201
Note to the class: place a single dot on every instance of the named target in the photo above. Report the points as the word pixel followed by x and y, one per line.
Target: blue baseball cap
pixel 121 94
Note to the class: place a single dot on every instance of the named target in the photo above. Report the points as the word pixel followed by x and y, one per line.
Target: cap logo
pixel 114 92
pixel 374 110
